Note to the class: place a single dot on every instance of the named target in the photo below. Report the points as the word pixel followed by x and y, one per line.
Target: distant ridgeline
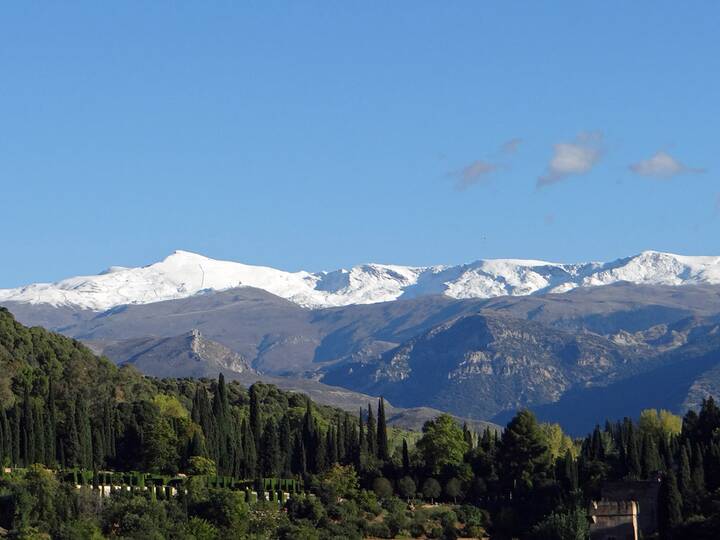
pixel 63 407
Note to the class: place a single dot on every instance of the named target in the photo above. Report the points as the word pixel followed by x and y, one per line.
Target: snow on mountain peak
pixel 183 274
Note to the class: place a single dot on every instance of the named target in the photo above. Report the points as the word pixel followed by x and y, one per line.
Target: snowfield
pixel 185 274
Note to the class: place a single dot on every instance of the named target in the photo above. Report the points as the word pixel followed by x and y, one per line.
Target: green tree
pixel 431 489
pixel 453 489
pixel 383 451
pixel 382 487
pixel 669 506
pixel 442 443
pixel 572 525
pixel 407 487
pixel 524 457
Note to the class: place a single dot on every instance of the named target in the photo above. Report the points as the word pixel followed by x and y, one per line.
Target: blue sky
pixel 322 134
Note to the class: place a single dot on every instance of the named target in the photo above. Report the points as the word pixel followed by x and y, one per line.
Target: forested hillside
pixel 67 415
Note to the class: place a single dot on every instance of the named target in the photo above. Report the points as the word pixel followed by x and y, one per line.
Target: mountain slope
pixel 185 274
pixel 479 365
pixel 188 355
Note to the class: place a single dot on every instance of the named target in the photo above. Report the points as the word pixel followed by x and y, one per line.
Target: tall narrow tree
pixel 383 452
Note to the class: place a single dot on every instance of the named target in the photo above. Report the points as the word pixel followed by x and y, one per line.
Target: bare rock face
pixel 187 355
pixel 215 353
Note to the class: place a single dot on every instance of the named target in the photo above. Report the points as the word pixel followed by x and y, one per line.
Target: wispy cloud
pixel 511 146
pixel 475 173
pixel 478 171
pixel 662 165
pixel 577 157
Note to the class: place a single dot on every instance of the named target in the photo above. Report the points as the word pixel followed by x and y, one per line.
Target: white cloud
pixel 473 174
pixel 662 165
pixel 577 157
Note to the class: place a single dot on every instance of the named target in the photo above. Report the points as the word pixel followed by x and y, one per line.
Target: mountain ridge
pixel 184 274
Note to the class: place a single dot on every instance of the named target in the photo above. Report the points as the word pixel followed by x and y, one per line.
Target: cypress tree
pixel 597 449
pixel 197 446
pixel 270 455
pixel 28 429
pixel 467 435
pixel 371 433
pixel 71 447
pixel 299 458
pixel 698 473
pixel 651 458
pixel 383 452
pixel 84 432
pixel 39 442
pixel 685 481
pixel 51 431
pixel 362 442
pixel 569 472
pixel 405 458
pixel 319 452
pixel 308 438
pixel 332 454
pixel 342 440
pixel 255 419
pixel 669 506
pixel 16 435
pixel 286 447
pixel 3 448
pixel 632 455
pixel 249 451
pixel 7 439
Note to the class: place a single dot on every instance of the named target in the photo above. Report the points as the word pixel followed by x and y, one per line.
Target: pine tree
pixel 383 452
pixel 523 455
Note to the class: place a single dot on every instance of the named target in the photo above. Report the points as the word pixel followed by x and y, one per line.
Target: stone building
pixel 614 520
pixel 644 493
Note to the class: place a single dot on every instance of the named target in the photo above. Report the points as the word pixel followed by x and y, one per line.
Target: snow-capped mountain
pixel 185 274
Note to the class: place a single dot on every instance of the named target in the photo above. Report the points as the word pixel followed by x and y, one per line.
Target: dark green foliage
pixel 60 406
pixel 669 506
pixel 523 455
pixel 383 452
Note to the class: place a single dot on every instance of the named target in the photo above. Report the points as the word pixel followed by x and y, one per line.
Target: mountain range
pixel 478 340
pixel 184 274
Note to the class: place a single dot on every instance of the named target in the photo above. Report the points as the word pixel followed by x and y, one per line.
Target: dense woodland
pixel 63 408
